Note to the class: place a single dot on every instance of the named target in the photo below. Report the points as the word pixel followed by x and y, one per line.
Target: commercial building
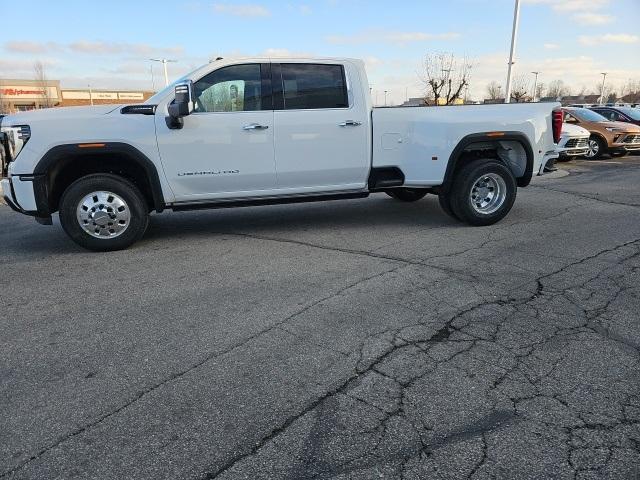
pixel 19 95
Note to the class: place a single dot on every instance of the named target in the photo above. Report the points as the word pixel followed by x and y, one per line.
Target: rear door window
pixel 313 86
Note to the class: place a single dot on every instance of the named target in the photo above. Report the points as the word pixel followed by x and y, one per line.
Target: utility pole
pixel 90 95
pixel 164 62
pixel 604 76
pixel 535 84
pixel 514 37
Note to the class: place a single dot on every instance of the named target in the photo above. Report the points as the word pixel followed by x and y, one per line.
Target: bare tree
pixel 540 89
pixel 445 77
pixel 630 91
pixel 494 90
pixel 40 76
pixel 557 89
pixel 519 88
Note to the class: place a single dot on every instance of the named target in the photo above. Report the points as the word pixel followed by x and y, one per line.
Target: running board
pixel 253 202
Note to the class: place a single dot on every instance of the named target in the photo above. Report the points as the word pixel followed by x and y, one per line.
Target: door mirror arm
pixel 182 105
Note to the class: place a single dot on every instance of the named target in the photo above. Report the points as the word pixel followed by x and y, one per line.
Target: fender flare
pixel 600 136
pixel 105 149
pixel 519 137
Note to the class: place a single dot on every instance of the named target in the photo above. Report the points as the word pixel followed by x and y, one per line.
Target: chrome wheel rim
pixel 594 147
pixel 103 215
pixel 488 193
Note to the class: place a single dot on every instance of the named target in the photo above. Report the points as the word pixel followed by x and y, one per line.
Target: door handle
pixel 349 123
pixel 255 126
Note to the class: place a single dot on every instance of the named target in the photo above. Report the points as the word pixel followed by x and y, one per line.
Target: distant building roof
pixel 414 102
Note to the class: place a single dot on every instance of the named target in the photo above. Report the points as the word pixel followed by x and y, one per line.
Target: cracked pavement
pixel 347 340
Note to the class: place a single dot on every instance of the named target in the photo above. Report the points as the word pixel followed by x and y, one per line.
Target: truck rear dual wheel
pixel 407 194
pixel 103 212
pixel 482 193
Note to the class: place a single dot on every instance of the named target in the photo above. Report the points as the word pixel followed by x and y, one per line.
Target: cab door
pixel 225 148
pixel 322 137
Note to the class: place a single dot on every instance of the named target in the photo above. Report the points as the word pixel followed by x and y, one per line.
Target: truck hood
pixel 58 113
pixel 569 130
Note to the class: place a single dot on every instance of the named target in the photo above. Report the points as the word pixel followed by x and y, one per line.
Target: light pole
pixel 535 84
pixel 514 37
pixel 90 95
pixel 604 76
pixel 385 98
pixel 153 80
pixel 164 62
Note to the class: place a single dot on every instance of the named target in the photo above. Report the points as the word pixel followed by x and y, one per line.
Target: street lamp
pixel 164 62
pixel 535 85
pixel 604 76
pixel 514 37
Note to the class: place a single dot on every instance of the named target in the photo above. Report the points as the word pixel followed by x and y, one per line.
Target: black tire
pixel 599 147
pixel 407 194
pixel 461 192
pixel 619 154
pixel 138 212
pixel 445 203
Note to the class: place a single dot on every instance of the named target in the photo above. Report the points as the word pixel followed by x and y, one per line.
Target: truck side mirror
pixel 182 104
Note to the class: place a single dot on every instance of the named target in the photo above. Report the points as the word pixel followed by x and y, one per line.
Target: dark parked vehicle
pixel 619 114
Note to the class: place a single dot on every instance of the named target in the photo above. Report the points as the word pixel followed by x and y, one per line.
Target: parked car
pixel 619 114
pixel 614 138
pixel 240 132
pixel 574 142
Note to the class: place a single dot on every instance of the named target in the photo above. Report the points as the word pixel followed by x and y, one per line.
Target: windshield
pixel 587 115
pixel 630 112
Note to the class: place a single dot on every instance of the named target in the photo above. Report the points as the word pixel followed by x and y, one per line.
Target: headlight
pixel 14 139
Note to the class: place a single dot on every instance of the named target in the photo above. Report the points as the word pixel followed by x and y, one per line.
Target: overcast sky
pixel 107 44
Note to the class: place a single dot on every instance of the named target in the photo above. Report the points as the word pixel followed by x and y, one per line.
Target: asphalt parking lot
pixel 357 339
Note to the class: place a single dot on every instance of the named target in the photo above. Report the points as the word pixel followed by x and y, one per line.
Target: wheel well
pixel 599 137
pixel 512 149
pixel 67 170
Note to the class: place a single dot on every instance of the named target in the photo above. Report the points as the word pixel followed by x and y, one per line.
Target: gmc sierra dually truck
pixel 240 132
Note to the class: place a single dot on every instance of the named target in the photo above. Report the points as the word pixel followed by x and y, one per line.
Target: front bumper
pixel 572 152
pixel 629 142
pixel 9 195
pixel 23 198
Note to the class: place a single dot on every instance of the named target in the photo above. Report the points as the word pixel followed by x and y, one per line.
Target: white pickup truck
pixel 239 132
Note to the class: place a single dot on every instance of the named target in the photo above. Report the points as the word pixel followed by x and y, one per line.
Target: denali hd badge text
pixel 212 172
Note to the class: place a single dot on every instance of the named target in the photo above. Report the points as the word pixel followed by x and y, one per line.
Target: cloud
pixel 397 38
pixel 571 5
pixel 114 48
pixel 32 47
pixel 283 52
pixel 241 10
pixel 624 38
pixel 589 18
pixel 551 46
pixel 90 48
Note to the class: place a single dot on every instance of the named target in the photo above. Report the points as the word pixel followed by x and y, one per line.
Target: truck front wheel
pixel 483 193
pixel 407 194
pixel 103 212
